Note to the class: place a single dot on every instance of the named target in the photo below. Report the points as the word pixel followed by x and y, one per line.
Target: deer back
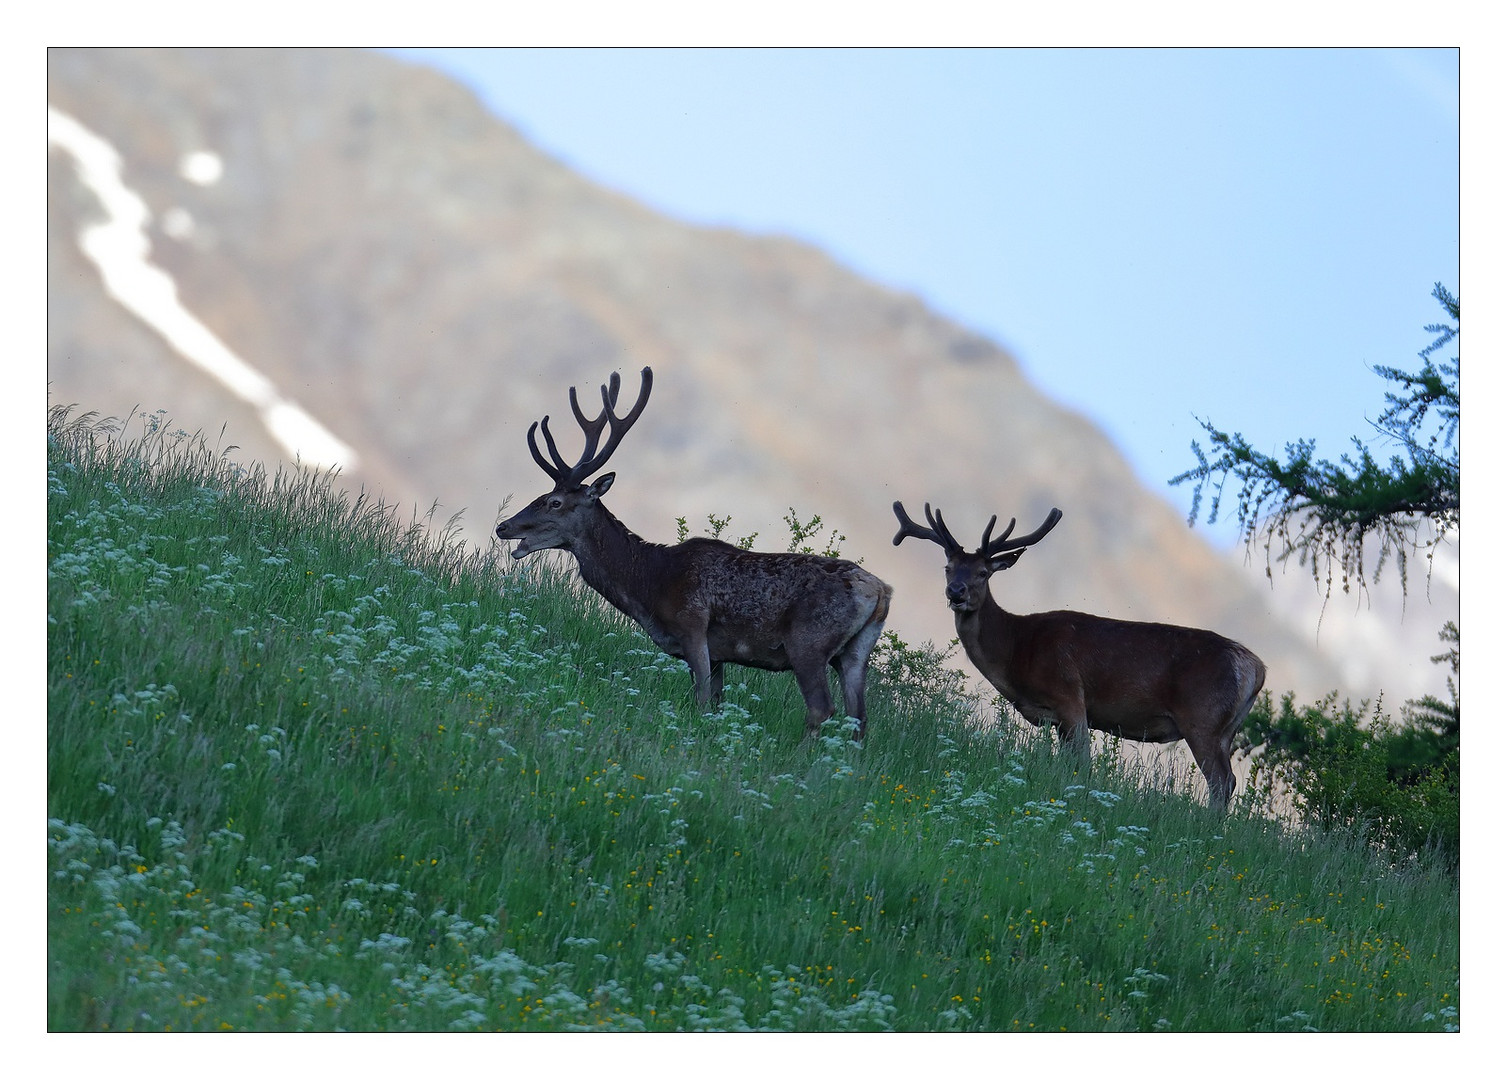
pixel 758 607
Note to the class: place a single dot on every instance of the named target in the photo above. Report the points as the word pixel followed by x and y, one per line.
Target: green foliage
pixel 313 767
pixel 800 532
pixel 1436 721
pixel 1397 784
pixel 919 678
pixel 715 525
pixel 1324 512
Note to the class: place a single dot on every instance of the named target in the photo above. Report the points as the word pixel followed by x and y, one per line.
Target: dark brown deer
pixel 704 600
pixel 1144 681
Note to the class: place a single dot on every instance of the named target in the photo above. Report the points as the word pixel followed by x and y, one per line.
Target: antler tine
pixel 937 534
pixel 1004 543
pixel 592 459
pixel 989 528
pixel 609 392
pixel 948 541
pixel 591 428
pixel 609 399
pixel 559 470
pixel 910 528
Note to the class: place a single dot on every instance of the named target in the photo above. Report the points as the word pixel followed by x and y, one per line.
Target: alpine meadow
pixel 316 765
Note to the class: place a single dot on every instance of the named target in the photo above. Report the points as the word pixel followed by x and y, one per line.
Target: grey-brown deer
pixel 704 600
pixel 1150 682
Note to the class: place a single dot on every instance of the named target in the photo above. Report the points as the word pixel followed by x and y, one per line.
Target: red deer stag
pixel 1145 681
pixel 703 600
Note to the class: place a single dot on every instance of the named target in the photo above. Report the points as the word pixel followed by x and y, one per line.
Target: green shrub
pixel 1347 768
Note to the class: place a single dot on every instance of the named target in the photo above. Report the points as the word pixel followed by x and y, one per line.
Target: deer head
pixel 557 517
pixel 968 573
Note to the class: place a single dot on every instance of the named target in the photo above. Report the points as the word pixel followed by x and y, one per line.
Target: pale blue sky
pixel 1155 234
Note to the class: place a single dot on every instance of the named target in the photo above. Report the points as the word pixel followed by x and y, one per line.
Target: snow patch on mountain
pixel 119 248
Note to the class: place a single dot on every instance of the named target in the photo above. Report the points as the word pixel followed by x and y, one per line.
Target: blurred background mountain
pixel 423 282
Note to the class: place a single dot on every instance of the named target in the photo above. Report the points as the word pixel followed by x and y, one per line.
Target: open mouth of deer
pixel 510 536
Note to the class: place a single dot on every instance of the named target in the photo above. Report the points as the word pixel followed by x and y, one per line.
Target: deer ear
pixel 600 485
pixel 1005 561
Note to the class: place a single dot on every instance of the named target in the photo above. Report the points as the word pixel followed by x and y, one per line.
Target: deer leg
pixel 1075 738
pixel 812 679
pixel 716 683
pixel 852 667
pixel 1212 753
pixel 852 677
pixel 1070 718
pixel 706 680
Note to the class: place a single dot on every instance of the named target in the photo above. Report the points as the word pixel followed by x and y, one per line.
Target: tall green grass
pixel 314 767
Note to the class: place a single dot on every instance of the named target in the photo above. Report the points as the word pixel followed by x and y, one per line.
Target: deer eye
pixel 556 503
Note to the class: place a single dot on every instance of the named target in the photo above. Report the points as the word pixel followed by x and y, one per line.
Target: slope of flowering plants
pixel 313 767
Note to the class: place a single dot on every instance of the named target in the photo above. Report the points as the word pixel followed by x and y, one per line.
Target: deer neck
pixel 987 635
pixel 619 564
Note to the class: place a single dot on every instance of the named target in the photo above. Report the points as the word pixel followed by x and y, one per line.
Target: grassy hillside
pixel 311 769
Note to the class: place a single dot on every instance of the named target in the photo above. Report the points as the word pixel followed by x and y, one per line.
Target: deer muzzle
pixel 509 531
